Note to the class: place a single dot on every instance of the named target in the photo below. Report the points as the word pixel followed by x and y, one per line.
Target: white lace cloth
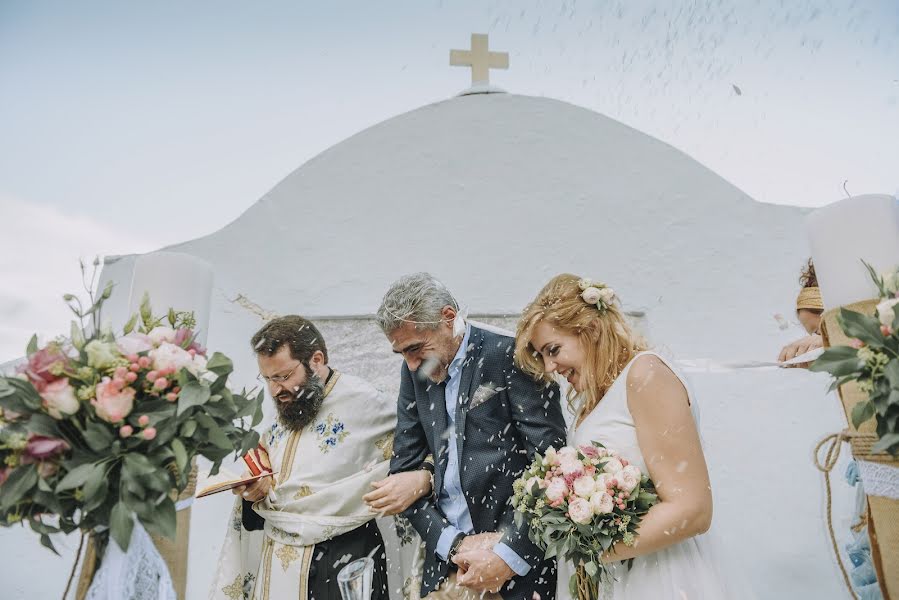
pixel 879 479
pixel 138 574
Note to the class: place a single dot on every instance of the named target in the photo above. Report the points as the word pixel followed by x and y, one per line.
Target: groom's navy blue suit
pixel 501 418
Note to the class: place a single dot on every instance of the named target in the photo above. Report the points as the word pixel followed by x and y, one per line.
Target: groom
pixel 462 400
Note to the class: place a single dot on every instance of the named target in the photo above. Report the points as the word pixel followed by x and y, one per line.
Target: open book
pixel 256 461
pixel 229 483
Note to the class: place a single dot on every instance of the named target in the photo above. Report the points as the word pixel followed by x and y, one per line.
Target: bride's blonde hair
pixel 607 341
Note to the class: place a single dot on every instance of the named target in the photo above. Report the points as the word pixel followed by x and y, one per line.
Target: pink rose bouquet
pixel 578 503
pixel 97 430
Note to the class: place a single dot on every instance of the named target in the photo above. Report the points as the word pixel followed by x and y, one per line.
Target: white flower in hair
pixel 607 294
pixel 585 283
pixel 591 295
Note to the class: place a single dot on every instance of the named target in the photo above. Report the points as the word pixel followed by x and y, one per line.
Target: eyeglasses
pixel 277 378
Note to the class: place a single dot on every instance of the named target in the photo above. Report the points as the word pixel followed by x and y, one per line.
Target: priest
pixel 291 533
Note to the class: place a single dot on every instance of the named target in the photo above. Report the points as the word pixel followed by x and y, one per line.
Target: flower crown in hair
pixel 596 293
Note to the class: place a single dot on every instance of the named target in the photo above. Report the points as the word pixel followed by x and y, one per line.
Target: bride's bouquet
pixel 578 503
pixel 96 429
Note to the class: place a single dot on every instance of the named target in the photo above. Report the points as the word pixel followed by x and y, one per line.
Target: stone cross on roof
pixel 480 59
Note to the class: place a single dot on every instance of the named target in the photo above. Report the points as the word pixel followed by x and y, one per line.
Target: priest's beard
pixel 298 412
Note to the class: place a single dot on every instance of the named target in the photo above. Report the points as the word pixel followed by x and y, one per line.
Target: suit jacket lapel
pixel 438 422
pixel 470 367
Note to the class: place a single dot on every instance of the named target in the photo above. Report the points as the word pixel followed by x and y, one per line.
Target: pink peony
pixel 584 486
pixel 170 356
pixel 133 344
pixel 601 503
pixel 59 399
pixel 572 467
pixel 613 466
pixel 41 447
pixel 580 511
pixel 161 335
pixel 557 489
pixel 112 404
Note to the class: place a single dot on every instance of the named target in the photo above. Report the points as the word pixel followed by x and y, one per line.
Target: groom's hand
pixel 479 541
pixel 482 570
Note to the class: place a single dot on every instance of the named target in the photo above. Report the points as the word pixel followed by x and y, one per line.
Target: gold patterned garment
pixel 322 473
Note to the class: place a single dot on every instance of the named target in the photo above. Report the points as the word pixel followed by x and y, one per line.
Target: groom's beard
pixel 300 411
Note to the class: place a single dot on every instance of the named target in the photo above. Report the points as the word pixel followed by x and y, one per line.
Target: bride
pixel 631 400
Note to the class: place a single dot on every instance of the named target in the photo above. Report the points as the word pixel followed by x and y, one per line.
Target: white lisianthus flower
pixel 134 343
pixel 612 466
pixel 584 486
pixel 572 466
pixel 601 503
pixel 101 355
pixel 886 311
pixel 580 511
pixel 530 483
pixel 197 365
pixel 159 335
pixel 168 355
pixel 556 489
pixel 591 295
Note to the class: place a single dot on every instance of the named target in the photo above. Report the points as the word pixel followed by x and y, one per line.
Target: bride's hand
pixel 398 492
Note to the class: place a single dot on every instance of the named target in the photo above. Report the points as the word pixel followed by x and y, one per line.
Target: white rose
pixel 161 334
pixel 572 466
pixel 556 490
pixel 591 295
pixel 612 466
pixel 601 503
pixel 886 311
pixel 59 399
pixel 607 294
pixel 584 486
pixel 634 471
pixel 170 356
pixel 584 283
pixel 580 511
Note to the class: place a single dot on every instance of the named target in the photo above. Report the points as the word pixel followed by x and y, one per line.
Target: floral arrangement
pixel 578 503
pixel 596 293
pixel 96 429
pixel 871 360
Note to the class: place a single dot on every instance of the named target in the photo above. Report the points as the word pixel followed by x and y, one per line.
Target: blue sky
pixel 144 124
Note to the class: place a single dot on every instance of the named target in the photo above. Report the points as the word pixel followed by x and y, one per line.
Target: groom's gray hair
pixel 417 298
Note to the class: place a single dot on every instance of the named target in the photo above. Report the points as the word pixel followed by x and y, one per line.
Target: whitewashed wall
pixel 495 194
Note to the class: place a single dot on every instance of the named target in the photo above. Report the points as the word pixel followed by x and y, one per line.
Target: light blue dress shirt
pixel 450 499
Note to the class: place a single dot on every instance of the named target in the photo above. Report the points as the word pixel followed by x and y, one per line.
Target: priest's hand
pixel 482 570
pixel 254 491
pixel 398 492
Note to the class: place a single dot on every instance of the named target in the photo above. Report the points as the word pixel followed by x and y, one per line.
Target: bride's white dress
pixel 687 570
